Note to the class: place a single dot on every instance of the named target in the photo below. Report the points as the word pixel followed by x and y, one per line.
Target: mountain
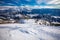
pixel 28 12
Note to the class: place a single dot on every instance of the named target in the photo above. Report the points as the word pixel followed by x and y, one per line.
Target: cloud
pixel 2 2
pixel 16 1
pixel 5 3
pixel 54 2
pixel 28 0
pixel 39 1
pixel 39 7
pixel 36 7
pixel 48 2
pixel 42 1
pixel 27 7
pixel 10 4
pixel 7 7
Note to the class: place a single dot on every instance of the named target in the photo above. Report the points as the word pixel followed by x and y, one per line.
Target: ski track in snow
pixel 29 32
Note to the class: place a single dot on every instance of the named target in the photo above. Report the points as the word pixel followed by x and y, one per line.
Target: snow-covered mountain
pixel 31 9
pixel 29 32
pixel 30 12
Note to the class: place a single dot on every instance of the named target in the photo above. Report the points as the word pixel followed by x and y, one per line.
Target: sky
pixel 28 2
pixel 35 3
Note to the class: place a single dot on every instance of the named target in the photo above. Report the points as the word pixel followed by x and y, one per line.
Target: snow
pixel 56 16
pixel 31 15
pixel 29 31
pixel 29 21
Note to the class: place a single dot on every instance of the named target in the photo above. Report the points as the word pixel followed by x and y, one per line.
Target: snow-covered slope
pixel 28 32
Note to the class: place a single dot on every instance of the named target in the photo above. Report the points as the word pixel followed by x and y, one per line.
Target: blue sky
pixel 32 3
pixel 28 2
pixel 16 2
